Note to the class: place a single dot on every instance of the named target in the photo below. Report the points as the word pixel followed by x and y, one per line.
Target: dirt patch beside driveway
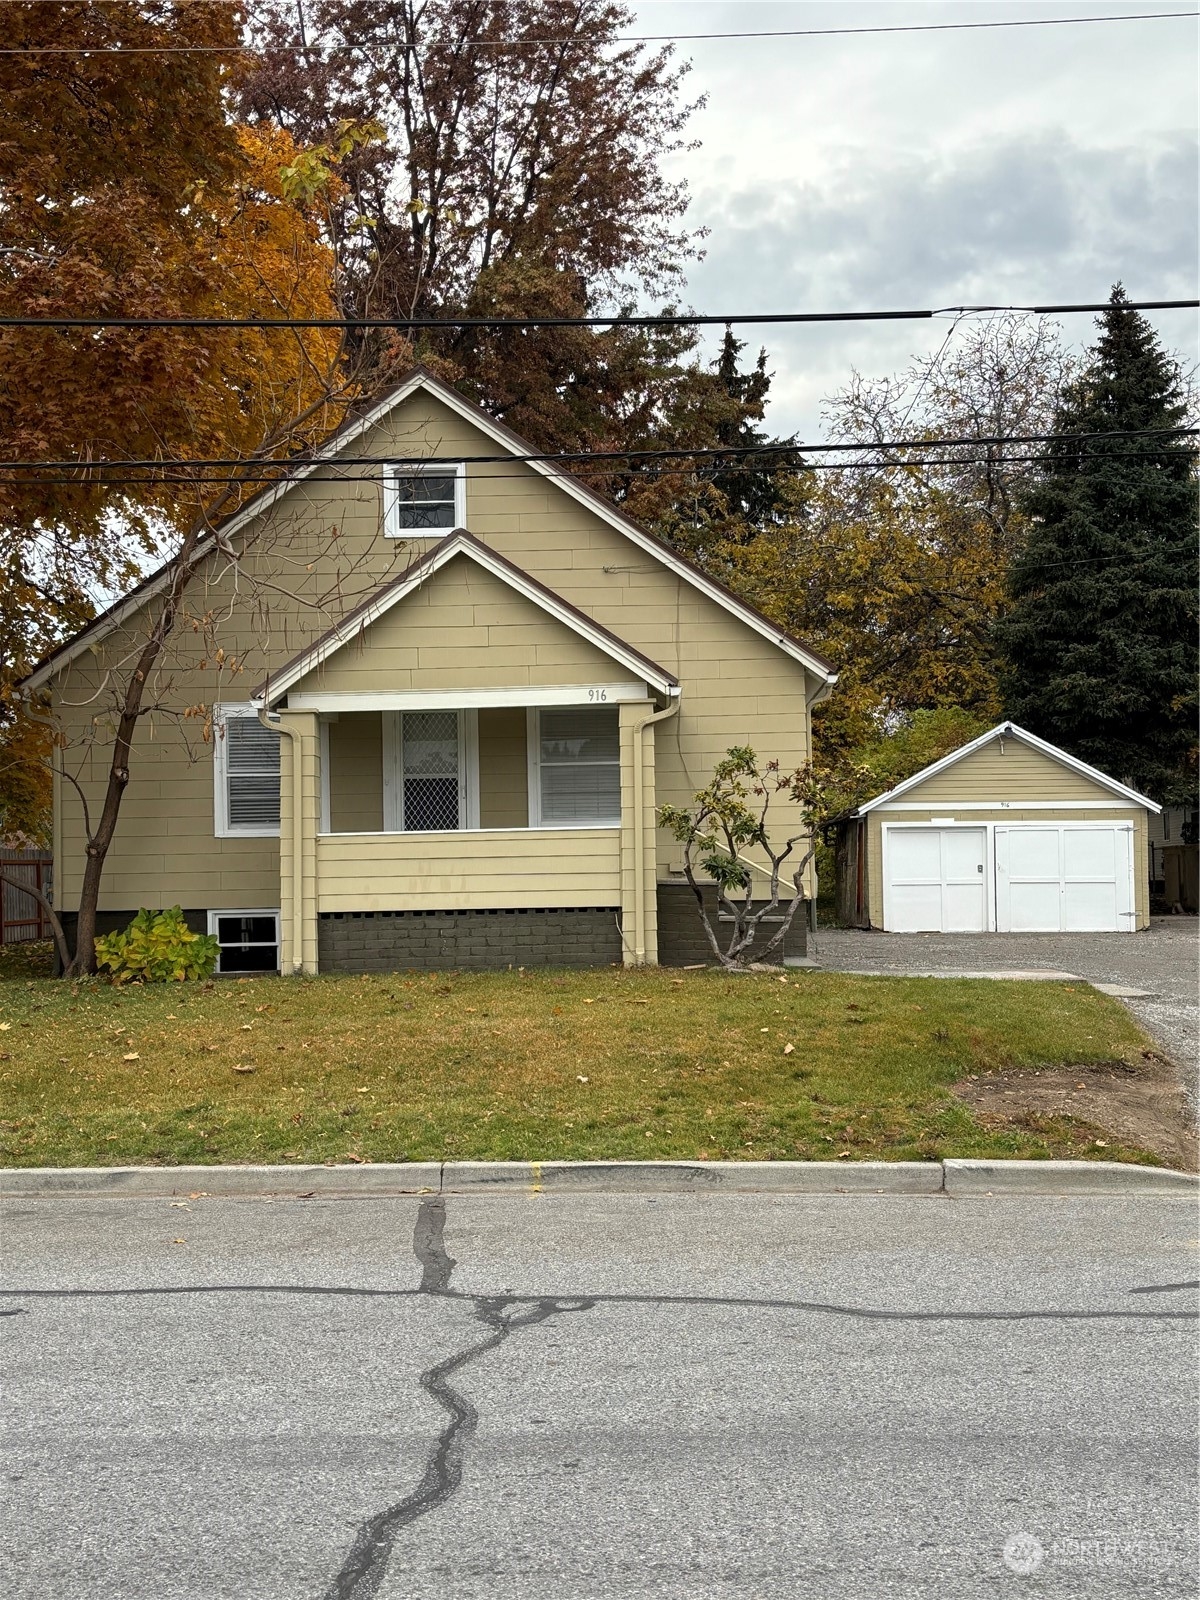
pixel 1143 1105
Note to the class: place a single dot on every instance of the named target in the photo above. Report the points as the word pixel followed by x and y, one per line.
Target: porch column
pixel 299 816
pixel 639 850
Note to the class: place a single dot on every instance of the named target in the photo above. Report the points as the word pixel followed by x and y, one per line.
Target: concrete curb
pixel 1063 1177
pixel 956 1178
pixel 691 1177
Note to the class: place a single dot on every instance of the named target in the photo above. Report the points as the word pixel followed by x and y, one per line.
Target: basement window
pixel 249 940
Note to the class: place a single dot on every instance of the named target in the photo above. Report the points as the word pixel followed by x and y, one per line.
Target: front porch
pixel 499 831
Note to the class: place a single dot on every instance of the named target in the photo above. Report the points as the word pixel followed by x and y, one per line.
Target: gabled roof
pixel 358 423
pixel 462 543
pixel 1010 730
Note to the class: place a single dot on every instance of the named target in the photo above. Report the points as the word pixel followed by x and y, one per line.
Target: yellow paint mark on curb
pixel 536 1186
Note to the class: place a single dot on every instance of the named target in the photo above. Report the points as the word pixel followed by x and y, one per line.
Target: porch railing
pixel 485 869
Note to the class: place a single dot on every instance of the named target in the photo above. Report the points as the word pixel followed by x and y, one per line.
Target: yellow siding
pixel 1141 867
pixel 464 628
pixel 485 870
pixel 356 773
pixel 1015 772
pixel 503 768
pixel 322 550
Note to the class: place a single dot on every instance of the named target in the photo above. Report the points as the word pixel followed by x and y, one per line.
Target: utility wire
pixel 714 453
pixel 616 320
pixel 634 38
pixel 174 476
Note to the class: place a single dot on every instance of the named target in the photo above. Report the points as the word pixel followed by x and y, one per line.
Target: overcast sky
pixel 1026 165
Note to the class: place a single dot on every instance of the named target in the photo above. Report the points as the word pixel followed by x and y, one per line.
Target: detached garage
pixel 1007 835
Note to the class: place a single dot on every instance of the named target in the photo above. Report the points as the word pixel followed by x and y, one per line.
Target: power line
pixel 636 38
pixel 615 320
pixel 714 453
pixel 175 476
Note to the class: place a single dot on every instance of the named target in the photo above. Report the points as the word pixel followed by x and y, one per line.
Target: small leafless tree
pixel 727 819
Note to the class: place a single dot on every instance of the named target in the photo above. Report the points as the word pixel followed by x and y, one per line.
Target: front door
pixel 936 880
pixel 424 775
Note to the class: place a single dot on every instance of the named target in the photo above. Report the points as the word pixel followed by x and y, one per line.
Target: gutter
pixel 272 720
pixel 639 833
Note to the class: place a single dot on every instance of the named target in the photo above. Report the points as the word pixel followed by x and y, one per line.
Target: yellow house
pixel 419 709
pixel 1008 834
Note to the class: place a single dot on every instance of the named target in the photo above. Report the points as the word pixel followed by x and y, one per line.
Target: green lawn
pixel 536 1065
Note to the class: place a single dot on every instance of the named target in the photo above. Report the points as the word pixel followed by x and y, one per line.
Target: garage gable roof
pixel 1010 730
pixel 462 543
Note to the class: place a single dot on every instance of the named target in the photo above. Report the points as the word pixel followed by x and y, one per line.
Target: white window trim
pixel 323 736
pixel 222 827
pixel 241 911
pixel 533 747
pixel 468 774
pixel 421 469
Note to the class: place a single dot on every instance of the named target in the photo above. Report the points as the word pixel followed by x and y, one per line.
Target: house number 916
pixel 597 694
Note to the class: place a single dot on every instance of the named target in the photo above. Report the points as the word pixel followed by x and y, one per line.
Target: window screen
pixel 429 761
pixel 422 500
pixel 251 758
pixel 249 940
pixel 579 759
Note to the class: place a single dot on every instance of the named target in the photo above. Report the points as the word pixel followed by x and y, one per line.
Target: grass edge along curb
pixel 951 1177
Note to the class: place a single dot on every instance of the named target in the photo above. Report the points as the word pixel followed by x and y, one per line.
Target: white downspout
pixel 272 720
pixel 639 834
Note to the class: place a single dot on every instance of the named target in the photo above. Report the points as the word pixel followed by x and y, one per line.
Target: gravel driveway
pixel 1164 961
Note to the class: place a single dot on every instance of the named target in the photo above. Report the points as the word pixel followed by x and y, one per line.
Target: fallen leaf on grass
pixel 131 1056
pixel 579 1078
pixel 788 1049
pixel 241 1068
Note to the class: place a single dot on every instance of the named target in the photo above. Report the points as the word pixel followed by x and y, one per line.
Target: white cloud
pixel 1028 165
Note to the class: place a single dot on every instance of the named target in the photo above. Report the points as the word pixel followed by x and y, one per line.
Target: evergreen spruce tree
pixel 1099 644
pixel 753 487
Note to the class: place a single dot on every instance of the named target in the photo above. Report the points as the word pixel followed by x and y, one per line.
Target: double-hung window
pixel 576 767
pixel 246 773
pixel 422 500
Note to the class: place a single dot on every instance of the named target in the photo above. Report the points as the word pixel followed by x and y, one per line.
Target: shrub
pixel 156 947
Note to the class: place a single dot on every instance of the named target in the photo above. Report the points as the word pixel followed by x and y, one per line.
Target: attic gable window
pixel 423 500
pixel 246 774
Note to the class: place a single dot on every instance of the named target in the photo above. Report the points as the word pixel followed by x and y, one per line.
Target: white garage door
pixel 935 880
pixel 1069 879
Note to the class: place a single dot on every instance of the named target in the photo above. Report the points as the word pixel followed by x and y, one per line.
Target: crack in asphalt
pixel 363 1570
pixel 751 1302
pixel 365 1566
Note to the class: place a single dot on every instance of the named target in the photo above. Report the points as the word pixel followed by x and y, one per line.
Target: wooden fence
pixel 21 916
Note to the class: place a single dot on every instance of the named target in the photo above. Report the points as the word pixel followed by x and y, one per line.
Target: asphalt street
pixel 599 1396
